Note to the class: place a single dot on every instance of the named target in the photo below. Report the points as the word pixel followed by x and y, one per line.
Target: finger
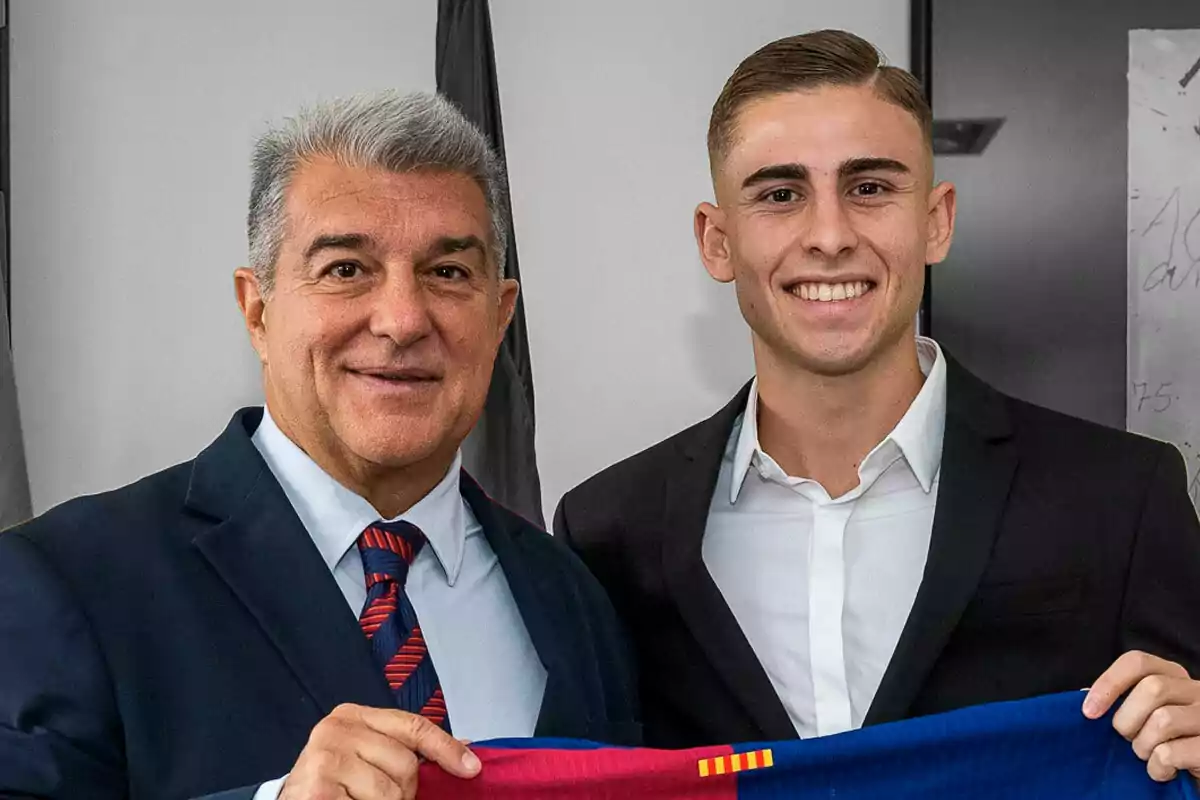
pixel 389 756
pixel 298 787
pixel 1167 724
pixel 1172 757
pixel 1148 701
pixel 424 738
pixel 344 740
pixel 364 781
pixel 1122 676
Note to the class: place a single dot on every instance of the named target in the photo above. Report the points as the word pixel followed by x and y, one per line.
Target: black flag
pixel 499 453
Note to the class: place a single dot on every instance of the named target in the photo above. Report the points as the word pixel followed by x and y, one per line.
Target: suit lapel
pixel 260 549
pixel 563 710
pixel 689 491
pixel 977 467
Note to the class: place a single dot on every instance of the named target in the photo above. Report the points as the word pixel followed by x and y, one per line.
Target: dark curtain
pixel 499 453
pixel 14 482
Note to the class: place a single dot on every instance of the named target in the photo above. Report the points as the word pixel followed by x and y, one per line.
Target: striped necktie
pixel 390 622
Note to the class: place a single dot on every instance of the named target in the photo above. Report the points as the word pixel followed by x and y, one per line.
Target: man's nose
pixel 400 309
pixel 828 230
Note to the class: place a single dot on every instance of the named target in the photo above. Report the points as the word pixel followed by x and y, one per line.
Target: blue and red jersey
pixel 1039 749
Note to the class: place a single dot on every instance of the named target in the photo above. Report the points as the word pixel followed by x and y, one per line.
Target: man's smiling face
pixel 379 335
pixel 826 217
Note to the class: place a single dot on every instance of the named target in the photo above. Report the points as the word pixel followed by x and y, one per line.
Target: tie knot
pixel 388 549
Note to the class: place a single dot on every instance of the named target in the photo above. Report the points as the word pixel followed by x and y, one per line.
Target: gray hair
pixel 398 133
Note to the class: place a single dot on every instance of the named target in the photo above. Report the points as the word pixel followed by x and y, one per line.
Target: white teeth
pixel 828 292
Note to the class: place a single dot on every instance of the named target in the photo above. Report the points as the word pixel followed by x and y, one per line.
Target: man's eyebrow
pixel 447 245
pixel 799 172
pixel 338 241
pixel 776 172
pixel 856 166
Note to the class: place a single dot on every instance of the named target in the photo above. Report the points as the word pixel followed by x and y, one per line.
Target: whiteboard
pixel 1164 241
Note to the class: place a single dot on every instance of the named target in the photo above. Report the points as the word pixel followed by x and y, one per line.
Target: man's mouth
pixel 399 375
pixel 826 292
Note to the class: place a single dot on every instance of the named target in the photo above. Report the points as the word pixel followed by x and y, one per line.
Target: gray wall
pixel 132 121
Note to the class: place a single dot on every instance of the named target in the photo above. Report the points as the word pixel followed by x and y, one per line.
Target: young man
pixel 867 532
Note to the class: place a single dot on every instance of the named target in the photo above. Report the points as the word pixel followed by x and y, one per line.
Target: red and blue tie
pixel 390 622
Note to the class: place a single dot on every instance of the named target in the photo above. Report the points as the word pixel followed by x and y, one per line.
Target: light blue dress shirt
pixel 490 672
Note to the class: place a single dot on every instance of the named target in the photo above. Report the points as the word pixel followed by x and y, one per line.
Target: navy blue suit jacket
pixel 181 636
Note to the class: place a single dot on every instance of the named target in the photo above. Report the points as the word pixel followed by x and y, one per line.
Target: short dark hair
pixel 811 60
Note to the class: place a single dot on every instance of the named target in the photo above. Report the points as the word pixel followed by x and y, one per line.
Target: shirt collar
pixel 919 433
pixel 335 517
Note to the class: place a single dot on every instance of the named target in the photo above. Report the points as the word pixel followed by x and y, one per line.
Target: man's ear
pixel 713 242
pixel 510 290
pixel 942 201
pixel 254 306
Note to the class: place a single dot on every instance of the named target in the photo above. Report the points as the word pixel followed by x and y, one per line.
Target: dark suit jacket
pixel 1057 545
pixel 182 635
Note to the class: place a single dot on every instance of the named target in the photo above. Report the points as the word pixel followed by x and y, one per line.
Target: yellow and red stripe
pixel 737 762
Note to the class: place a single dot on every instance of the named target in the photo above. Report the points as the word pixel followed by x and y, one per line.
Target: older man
pixel 321 597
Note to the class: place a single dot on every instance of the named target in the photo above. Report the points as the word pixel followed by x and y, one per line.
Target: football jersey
pixel 1039 749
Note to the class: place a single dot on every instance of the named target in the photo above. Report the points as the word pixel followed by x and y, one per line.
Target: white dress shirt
pixel 489 670
pixel 822 586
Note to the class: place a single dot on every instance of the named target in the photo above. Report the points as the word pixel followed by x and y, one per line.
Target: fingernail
pixel 1090 707
pixel 470 762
